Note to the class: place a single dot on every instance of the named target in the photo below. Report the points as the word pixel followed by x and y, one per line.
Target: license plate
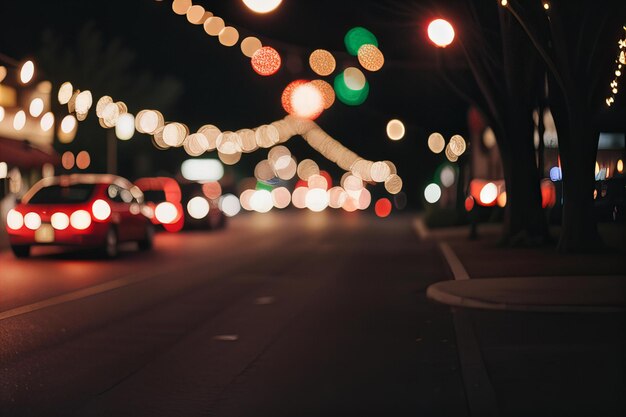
pixel 45 234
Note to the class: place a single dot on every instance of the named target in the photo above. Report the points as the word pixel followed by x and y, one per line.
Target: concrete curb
pixel 441 293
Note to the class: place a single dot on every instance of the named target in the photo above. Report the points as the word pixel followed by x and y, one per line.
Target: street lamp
pixel 441 32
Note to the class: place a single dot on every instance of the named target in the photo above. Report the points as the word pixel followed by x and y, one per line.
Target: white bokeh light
pixel 432 193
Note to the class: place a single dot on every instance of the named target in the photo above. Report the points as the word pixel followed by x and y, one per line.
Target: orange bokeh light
pixel 266 61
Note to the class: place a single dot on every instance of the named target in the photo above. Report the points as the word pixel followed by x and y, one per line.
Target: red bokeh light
pixel 288 92
pixel 469 203
pixel 383 207
pixel 266 61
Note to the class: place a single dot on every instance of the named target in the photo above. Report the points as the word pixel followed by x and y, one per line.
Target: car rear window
pixel 57 194
pixel 156 196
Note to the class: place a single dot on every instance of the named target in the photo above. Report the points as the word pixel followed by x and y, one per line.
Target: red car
pixel 93 210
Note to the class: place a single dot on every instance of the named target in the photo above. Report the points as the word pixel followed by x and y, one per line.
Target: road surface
pixel 284 314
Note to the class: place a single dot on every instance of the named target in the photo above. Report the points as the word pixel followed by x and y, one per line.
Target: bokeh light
pixel 47 121
pixel 354 78
pixel 281 197
pixel 316 199
pixel 166 212
pixel 202 170
pixel 357 37
pixel 370 57
pixel 27 72
pixel 83 160
pixel 307 101
pixel 488 194
pixel 322 62
pixel 395 129
pixel 213 25
pixel 261 201
pixel 84 100
pixel 228 36
pixel 306 168
pixel 452 157
pixel 229 204
pixel 432 193
pixel 393 184
pixel 501 200
pixel 67 130
pixel 125 126
pixel 67 160
pixel 195 14
pixel 60 221
pixel 19 120
pixel 298 197
pixel 266 136
pixel 174 134
pixel 457 145
pixel 266 61
pixel 65 93
pixel 337 197
pixel 447 176
pixel 328 93
pixel 36 107
pixel 180 7
pixel 436 142
pixel 382 208
pixel 620 166
pixel 441 32
pixel 489 138
pixel 250 45
pixel 198 207
pixel 262 6
pixel 347 95
pixel 556 174
pixel 380 171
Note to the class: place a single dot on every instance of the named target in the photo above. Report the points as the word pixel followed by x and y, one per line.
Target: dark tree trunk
pixel 578 146
pixel 525 222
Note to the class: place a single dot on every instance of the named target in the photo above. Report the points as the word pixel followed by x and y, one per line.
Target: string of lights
pixel 619 62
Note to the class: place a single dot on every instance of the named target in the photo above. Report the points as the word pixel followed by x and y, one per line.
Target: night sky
pixel 220 87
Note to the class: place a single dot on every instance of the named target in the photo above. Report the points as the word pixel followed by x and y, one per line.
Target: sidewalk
pixel 538 333
pixel 526 279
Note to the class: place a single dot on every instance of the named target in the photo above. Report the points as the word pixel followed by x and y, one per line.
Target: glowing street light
pixel 441 32
pixel 262 6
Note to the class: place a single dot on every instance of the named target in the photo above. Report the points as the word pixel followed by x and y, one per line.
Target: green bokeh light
pixel 348 96
pixel 357 37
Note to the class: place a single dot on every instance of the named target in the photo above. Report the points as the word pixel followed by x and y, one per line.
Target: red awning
pixel 23 154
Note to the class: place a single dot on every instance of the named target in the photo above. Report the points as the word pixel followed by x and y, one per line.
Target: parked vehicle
pixel 86 210
pixel 185 204
pixel 163 197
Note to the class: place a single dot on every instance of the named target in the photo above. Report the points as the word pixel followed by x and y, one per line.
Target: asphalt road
pixel 284 314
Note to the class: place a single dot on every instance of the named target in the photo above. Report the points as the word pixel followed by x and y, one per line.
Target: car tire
pixel 21 251
pixel 148 241
pixel 111 242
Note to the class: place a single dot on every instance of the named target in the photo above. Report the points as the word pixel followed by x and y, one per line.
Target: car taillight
pixel 32 221
pixel 80 219
pixel 60 221
pixel 101 210
pixel 15 220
